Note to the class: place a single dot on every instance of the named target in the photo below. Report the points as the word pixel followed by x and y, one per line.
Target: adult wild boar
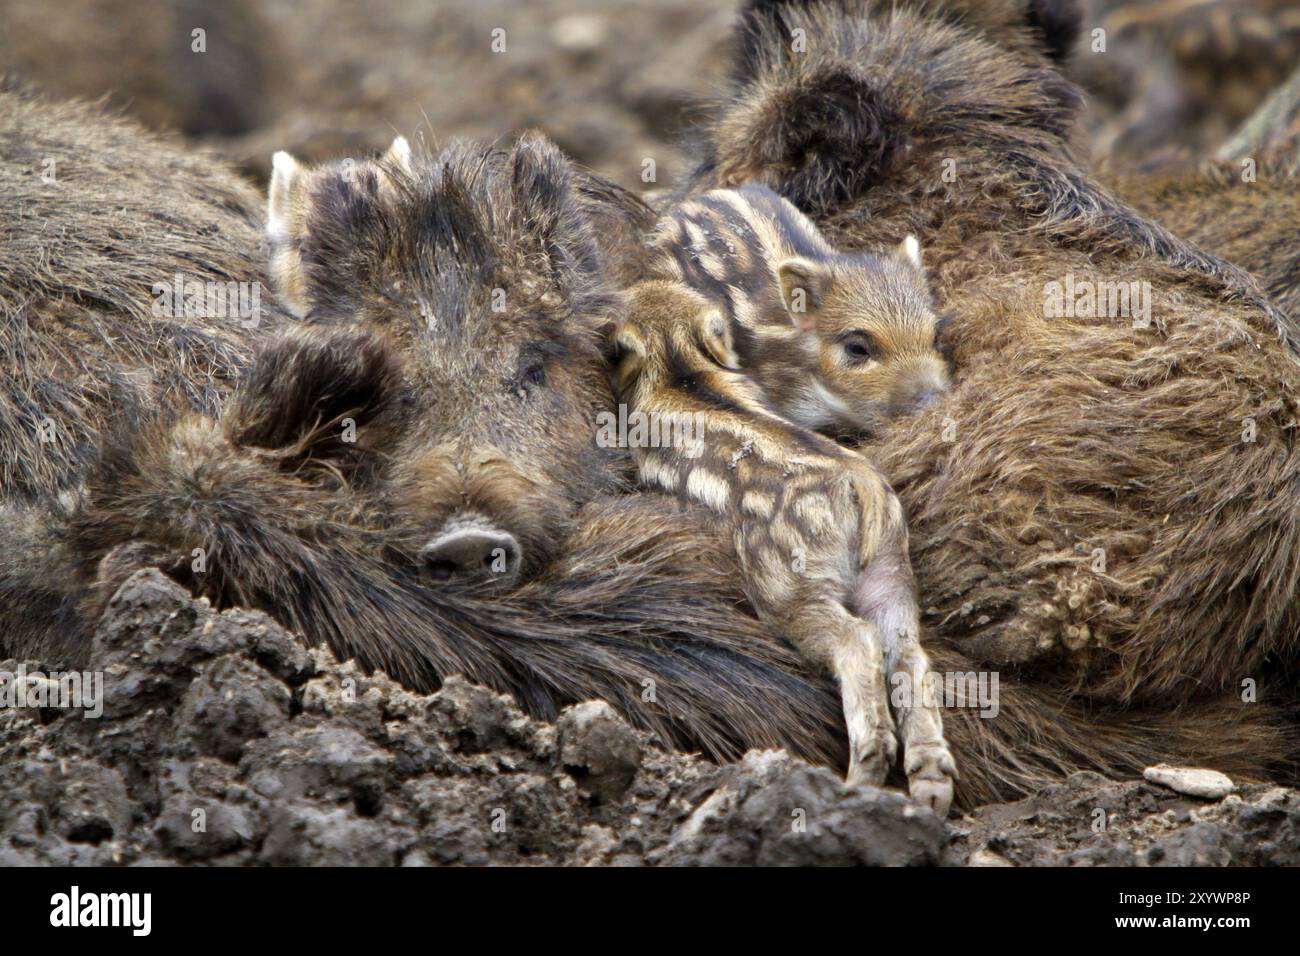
pixel 1108 497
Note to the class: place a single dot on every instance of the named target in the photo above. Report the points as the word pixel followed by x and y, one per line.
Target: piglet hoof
pixel 930 775
pixel 871 758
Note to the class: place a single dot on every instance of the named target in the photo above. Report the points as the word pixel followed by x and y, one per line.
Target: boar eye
pixel 533 375
pixel 857 346
pixel 941 327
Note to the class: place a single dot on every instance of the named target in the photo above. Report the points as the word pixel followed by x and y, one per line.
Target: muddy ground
pixel 614 82
pixel 223 741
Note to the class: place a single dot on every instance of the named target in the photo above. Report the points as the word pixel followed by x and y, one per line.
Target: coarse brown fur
pixel 821 538
pixel 1112 507
pixel 1248 212
pixel 101 213
pixel 838 342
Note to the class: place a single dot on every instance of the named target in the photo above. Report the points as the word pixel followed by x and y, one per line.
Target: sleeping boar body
pixel 1108 502
pixel 106 224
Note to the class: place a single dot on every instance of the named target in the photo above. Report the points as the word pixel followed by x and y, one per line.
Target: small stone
pixel 1191 781
pixel 579 34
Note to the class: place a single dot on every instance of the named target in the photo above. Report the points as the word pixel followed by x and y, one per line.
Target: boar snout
pixel 472 550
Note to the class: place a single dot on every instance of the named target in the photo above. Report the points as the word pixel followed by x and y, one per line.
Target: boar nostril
pixel 927 398
pixel 441 570
pixel 472 554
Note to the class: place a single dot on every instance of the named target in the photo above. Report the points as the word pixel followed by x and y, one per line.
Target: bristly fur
pixel 80 343
pixel 1084 503
pixel 885 87
pixel 98 213
pixel 444 228
pixel 1254 224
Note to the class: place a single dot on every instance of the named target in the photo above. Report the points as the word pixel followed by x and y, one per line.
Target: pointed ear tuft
pixel 804 284
pixel 399 154
pixel 909 250
pixel 286 175
pixel 284 228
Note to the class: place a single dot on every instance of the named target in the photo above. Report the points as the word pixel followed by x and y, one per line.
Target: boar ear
pixel 551 210
pixel 541 180
pixel 715 336
pixel 284 229
pixel 325 394
pixel 399 155
pixel 1058 24
pixel 909 250
pixel 804 285
pixel 286 177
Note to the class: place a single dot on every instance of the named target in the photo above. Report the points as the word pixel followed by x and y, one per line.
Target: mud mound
pixel 224 741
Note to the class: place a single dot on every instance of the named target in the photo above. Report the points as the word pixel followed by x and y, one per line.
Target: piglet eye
pixel 857 346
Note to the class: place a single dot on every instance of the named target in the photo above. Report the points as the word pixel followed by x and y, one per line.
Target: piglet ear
pixel 630 355
pixel 804 285
pixel 715 335
pixel 322 394
pixel 629 344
